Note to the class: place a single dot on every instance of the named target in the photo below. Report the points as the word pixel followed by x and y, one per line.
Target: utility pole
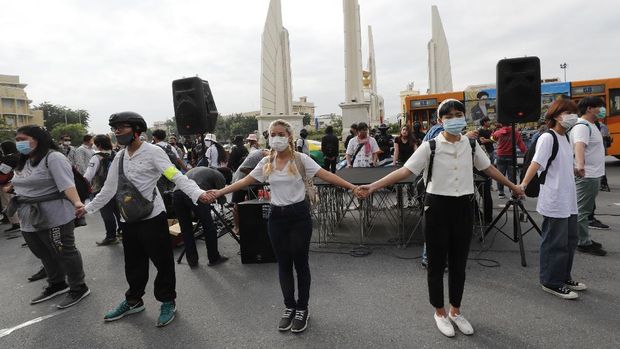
pixel 563 66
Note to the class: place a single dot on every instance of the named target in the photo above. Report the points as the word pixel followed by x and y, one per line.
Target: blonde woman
pixel 289 224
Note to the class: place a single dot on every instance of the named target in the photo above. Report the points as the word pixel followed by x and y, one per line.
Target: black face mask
pixel 125 139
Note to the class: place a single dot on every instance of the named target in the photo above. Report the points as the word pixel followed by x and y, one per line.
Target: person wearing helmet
pixel 385 142
pixel 145 231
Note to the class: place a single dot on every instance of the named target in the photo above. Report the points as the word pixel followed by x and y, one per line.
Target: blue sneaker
pixel 166 314
pixel 123 310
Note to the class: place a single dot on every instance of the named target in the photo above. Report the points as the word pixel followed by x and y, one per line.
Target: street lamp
pixel 564 66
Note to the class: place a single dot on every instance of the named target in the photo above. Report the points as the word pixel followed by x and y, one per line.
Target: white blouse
pixel 286 189
pixel 452 166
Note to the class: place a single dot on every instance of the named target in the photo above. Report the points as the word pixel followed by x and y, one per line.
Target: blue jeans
pixel 183 208
pixel 557 250
pixel 504 165
pixel 290 230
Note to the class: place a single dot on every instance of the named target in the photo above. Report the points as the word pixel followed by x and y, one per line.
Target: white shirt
pixel 303 144
pixel 362 159
pixel 558 196
pixel 286 189
pixel 143 169
pixel 82 158
pixel 595 150
pixel 452 166
pixel 212 154
pixel 93 165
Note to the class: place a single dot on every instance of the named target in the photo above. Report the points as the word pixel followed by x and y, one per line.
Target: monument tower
pixel 439 70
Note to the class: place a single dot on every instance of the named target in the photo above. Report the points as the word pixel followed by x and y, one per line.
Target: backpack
pixel 171 155
pixel 81 184
pixel 163 184
pixel 533 188
pixel 105 161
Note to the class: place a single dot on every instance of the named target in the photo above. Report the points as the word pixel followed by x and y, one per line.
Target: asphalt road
pixel 366 302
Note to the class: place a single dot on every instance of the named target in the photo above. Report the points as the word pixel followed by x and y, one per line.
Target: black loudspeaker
pixel 518 90
pixel 255 244
pixel 194 107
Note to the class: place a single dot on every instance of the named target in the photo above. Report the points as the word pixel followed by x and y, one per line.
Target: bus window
pixel 614 101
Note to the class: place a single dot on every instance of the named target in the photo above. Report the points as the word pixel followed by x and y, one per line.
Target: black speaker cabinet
pixel 518 90
pixel 194 106
pixel 255 244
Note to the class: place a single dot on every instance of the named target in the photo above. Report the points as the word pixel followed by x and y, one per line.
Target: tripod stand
pixel 517 209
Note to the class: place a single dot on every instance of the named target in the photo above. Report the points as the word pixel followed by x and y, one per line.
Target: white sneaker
pixel 444 325
pixel 462 323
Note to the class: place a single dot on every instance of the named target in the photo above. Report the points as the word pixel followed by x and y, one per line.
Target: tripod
pixel 517 209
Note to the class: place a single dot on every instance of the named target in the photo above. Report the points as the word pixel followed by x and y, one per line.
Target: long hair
pixel 222 154
pixel 44 144
pixel 292 168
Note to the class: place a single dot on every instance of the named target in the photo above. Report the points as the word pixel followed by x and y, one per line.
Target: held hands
pixel 80 209
pixel 580 172
pixel 518 190
pixel 209 196
pixel 362 191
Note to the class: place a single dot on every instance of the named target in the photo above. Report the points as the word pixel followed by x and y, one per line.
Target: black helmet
pixel 128 117
pixel 383 127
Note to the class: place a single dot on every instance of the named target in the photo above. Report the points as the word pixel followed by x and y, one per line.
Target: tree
pixel 54 114
pixel 337 124
pixel 75 131
pixel 171 125
pixel 237 124
pixel 307 119
pixel 6 134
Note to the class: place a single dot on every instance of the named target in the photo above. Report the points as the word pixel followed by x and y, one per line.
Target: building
pixel 324 120
pixel 160 125
pixel 302 107
pixel 14 104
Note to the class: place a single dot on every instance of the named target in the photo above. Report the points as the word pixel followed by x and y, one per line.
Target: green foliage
pixel 237 124
pixel 307 119
pixel 337 125
pixel 54 114
pixel 76 131
pixel 6 134
pixel 394 129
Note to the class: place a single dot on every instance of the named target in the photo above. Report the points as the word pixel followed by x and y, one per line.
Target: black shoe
pixel 605 187
pixel 12 227
pixel 192 260
pixel 591 249
pixel 562 292
pixel 598 225
pixel 300 322
pixel 73 297
pixel 596 244
pixel 108 241
pixel 220 260
pixel 50 292
pixel 41 274
pixel 286 321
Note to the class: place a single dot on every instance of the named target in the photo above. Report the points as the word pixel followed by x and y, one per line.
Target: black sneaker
pixel 108 241
pixel 562 292
pixel 41 274
pixel 220 260
pixel 501 195
pixel 591 249
pixel 12 227
pixel 598 225
pixel 73 297
pixel 50 292
pixel 300 322
pixel 575 285
pixel 596 244
pixel 286 320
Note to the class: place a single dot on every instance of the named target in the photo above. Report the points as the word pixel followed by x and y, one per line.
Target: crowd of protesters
pixel 48 187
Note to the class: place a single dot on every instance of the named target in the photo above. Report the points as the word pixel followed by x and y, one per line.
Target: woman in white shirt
pixel 290 224
pixel 215 155
pixel 448 208
pixel 557 201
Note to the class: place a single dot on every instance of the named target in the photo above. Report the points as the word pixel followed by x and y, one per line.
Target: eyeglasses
pixel 119 127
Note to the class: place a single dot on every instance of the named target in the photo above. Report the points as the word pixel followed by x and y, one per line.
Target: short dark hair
pixel 482 93
pixel 484 119
pixel 558 107
pixel 103 142
pixel 449 104
pixel 159 134
pixel 355 126
pixel 589 102
pixel 362 126
pixel 87 138
pixel 329 130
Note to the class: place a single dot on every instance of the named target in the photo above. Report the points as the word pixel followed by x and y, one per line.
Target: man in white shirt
pixel 83 154
pixel 589 168
pixel 363 150
pixel 302 144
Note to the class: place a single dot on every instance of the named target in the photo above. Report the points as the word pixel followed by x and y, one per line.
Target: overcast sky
pixel 109 56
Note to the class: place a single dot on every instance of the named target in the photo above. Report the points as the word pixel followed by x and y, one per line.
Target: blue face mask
pixel 23 147
pixel 454 126
pixel 601 113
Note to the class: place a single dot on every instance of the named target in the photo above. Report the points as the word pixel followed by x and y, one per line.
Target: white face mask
pixel 278 143
pixel 568 120
pixel 208 143
pixel 66 143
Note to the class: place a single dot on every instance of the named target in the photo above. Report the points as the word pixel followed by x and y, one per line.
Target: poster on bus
pixel 480 103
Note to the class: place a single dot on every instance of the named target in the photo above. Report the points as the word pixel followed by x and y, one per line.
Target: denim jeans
pixel 290 230
pixel 183 208
pixel 504 165
pixel 557 250
pixel 587 190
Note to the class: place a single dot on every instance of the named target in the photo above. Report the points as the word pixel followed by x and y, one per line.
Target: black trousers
pixel 143 241
pixel 448 233
pixel 330 165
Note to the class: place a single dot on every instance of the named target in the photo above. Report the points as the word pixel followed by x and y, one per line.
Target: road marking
pixel 8 331
pixel 617 203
